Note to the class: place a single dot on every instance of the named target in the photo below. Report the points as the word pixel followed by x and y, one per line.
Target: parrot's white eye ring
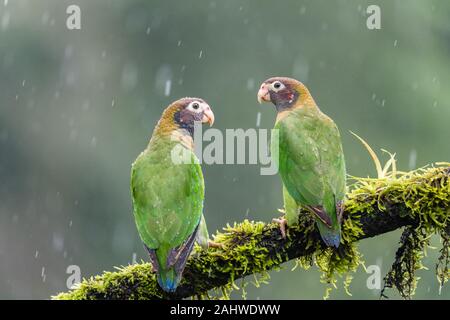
pixel 195 106
pixel 277 86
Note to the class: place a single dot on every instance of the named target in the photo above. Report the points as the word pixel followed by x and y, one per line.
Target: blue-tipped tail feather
pixel 331 240
pixel 169 280
pixel 331 237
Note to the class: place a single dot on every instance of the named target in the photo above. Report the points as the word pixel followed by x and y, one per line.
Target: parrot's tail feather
pixel 331 240
pixel 169 280
pixel 170 264
pixel 331 236
pixel 178 256
pixel 153 258
pixel 320 213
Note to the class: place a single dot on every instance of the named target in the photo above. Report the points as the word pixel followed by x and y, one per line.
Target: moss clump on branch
pixel 425 194
pixel 418 200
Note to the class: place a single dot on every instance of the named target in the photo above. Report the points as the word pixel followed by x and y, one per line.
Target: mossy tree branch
pixel 419 200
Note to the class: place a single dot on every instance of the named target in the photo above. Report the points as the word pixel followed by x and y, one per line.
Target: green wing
pixel 311 160
pixel 167 198
pixel 290 207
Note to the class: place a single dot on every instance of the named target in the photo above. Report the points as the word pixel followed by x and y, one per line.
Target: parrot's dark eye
pixel 195 106
pixel 277 86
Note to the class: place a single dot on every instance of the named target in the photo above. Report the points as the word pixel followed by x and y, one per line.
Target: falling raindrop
pixel 93 142
pixel 412 159
pixel 258 119
pixel 250 84
pixel 5 20
pixel 148 30
pixel 163 79
pixel 200 54
pixel 167 88
pixel 395 43
pixel 43 275
pixel 36 254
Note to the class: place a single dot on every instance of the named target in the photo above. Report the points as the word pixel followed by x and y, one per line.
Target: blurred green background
pixel 78 106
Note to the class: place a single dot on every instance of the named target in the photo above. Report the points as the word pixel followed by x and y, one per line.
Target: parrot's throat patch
pixel 185 120
pixel 284 100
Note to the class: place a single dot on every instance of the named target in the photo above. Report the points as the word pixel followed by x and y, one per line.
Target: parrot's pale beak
pixel 263 94
pixel 208 116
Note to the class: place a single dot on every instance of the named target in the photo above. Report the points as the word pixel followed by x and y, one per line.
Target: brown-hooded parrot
pixel 310 157
pixel 167 189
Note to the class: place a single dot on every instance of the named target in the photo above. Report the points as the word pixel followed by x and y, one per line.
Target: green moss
pixel 114 285
pixel 425 196
pixel 241 255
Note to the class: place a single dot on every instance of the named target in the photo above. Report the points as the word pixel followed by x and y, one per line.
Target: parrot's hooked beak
pixel 208 116
pixel 263 94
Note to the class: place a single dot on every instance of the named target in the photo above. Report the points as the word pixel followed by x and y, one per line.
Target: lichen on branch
pixel 418 200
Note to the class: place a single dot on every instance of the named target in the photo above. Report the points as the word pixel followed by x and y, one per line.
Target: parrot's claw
pixel 282 222
pixel 212 244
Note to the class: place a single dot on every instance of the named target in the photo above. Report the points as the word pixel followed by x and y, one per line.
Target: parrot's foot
pixel 282 222
pixel 212 244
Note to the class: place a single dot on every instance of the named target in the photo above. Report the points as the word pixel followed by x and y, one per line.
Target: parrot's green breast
pixel 167 197
pixel 311 160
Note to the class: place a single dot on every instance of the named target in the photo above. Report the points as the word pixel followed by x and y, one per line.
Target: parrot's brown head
pixel 183 113
pixel 284 93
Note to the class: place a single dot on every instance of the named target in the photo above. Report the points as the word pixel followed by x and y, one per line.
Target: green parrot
pixel 167 189
pixel 310 157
